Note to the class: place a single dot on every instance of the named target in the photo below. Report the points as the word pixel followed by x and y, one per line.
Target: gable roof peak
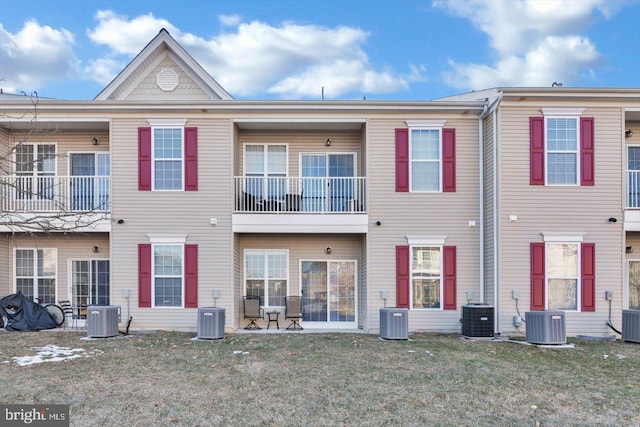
pixel 182 58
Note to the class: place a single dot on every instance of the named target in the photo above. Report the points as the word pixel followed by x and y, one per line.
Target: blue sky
pixel 292 49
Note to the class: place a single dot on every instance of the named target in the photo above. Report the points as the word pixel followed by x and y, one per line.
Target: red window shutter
pixel 536 150
pixel 537 277
pixel 587 177
pixel 588 280
pixel 191 276
pixel 403 275
pixel 191 159
pixel 144 159
pixel 448 160
pixel 449 275
pixel 402 160
pixel 144 275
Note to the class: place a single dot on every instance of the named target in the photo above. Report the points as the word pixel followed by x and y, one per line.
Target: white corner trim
pixel 167 238
pixel 426 240
pixel 562 111
pixel 167 122
pixel 568 237
pixel 425 123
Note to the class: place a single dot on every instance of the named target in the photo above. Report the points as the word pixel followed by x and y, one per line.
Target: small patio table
pixel 273 317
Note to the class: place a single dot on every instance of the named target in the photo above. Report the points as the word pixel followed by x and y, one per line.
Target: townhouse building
pixel 164 194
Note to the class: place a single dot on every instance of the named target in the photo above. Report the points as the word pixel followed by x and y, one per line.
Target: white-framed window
pixel 35 273
pixel 168 157
pixel 266 275
pixel 265 169
pixel 35 167
pixel 426 277
pixel 168 274
pixel 425 159
pixel 563 275
pixel 562 149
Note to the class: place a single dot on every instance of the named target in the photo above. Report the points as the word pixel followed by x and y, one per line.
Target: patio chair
pixel 69 318
pixel 252 311
pixel 293 310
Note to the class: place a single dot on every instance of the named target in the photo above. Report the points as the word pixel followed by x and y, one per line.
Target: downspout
pixel 496 282
pixel 481 202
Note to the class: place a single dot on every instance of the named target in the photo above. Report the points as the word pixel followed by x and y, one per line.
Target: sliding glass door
pixel 329 293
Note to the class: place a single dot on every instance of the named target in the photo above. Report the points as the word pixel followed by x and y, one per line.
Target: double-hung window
pixel 563 276
pixel 425 157
pixel 265 168
pixel 168 272
pixel 35 273
pixel 266 276
pixel 167 158
pixel 426 162
pixel 168 264
pixel 562 148
pixel 35 166
pixel 426 277
pixel 563 273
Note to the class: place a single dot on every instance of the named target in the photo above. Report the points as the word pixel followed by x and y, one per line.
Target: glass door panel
pixel 328 291
pixel 634 285
pixel 327 182
pixel 314 291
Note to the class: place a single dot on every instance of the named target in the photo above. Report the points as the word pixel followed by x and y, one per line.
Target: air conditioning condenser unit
pixel 477 320
pixel 546 327
pixel 394 323
pixel 102 321
pixel 631 325
pixel 211 323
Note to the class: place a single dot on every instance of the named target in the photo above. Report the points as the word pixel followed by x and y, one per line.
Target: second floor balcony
pixel 300 204
pixel 54 194
pixel 320 195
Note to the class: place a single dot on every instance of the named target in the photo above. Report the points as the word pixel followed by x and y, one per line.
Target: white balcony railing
pixel 633 189
pixel 300 194
pixel 48 193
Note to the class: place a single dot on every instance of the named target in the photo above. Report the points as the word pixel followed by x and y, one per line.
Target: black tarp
pixel 20 314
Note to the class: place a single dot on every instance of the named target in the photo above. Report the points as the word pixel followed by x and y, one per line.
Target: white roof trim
pixel 562 111
pixel 167 122
pixel 567 237
pixel 167 238
pixel 191 65
pixel 426 240
pixel 425 123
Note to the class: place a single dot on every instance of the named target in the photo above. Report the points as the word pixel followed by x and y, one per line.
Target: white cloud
pixel 535 42
pixel 289 60
pixel 229 20
pixel 127 36
pixel 36 55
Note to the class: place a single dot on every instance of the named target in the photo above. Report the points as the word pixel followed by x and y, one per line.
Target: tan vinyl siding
pixel 148 88
pixel 561 210
pixel 421 214
pixel 72 246
pixel 305 142
pixel 6 270
pixel 301 247
pixel 169 213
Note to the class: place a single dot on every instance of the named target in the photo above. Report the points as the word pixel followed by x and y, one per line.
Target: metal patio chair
pixel 252 311
pixel 293 310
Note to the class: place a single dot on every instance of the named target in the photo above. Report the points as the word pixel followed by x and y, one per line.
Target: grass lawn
pixel 294 379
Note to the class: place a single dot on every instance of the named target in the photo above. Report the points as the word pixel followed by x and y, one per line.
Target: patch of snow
pixel 52 353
